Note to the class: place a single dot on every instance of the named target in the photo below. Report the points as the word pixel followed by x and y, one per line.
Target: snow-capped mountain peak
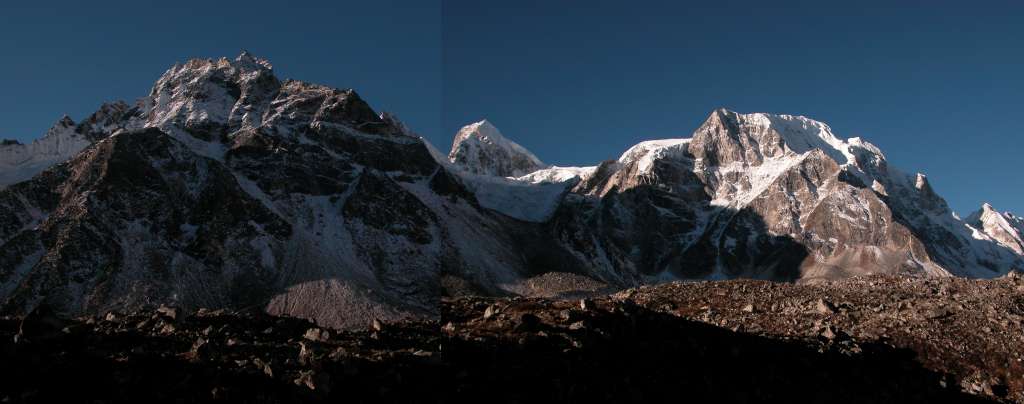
pixel 480 148
pixel 21 161
pixel 1004 227
pixel 252 62
pixel 727 137
pixel 64 123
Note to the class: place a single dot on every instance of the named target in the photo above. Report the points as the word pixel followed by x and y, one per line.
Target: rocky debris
pixel 560 285
pixel 41 323
pixel 825 307
pixel 970 330
pixel 619 349
pixel 215 356
pixel 728 341
pixel 490 312
pixel 169 312
pixel 317 334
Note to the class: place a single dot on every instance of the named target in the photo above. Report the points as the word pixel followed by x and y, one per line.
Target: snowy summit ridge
pixel 480 148
pixel 743 179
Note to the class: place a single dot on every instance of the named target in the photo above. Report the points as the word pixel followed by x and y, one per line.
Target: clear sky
pixel 71 56
pixel 938 86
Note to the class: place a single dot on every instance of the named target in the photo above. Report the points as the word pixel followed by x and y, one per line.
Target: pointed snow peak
pixel 482 129
pixel 921 182
pixel 728 137
pixel 989 212
pixel 203 93
pixel 246 58
pixel 62 125
pixel 1003 227
pixel 480 148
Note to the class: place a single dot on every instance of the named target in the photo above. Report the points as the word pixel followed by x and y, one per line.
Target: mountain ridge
pixel 227 187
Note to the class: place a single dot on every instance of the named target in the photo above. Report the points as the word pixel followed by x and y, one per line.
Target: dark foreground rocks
pixel 879 339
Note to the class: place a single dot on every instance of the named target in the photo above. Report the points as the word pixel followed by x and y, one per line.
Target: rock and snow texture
pixel 1004 227
pixel 507 178
pixel 226 187
pixel 764 196
pixel 19 162
pixel 479 148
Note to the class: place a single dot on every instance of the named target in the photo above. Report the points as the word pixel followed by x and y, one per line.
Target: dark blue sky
pixel 939 86
pixel 71 56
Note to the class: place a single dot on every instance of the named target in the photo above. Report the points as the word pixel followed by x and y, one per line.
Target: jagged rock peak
pixel 19 162
pixel 921 183
pixel 728 137
pixel 61 128
pixel 480 148
pixel 247 58
pixel 65 121
pixel 1004 227
pixel 392 119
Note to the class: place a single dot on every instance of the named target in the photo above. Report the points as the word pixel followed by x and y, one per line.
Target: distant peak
pixel 483 123
pixel 248 59
pixel 480 148
pixel 64 123
pixel 482 129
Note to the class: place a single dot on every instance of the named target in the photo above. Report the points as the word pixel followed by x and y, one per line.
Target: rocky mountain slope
pixel 764 196
pixel 227 187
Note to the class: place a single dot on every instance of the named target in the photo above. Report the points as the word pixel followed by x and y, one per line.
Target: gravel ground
pixel 874 339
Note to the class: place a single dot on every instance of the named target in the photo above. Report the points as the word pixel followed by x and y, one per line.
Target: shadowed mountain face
pixel 226 187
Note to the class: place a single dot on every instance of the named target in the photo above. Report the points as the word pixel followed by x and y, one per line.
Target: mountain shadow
pixel 632 354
